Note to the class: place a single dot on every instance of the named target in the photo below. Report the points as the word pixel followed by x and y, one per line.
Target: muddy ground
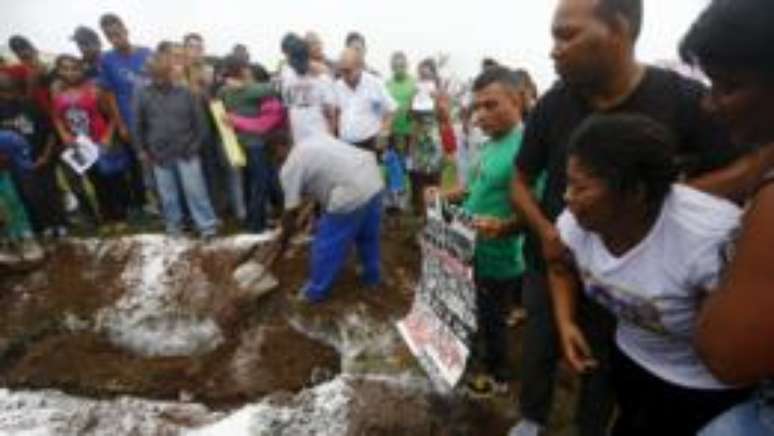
pixel 274 351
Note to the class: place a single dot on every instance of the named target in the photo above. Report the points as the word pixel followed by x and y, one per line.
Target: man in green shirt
pixel 499 264
pixel 402 87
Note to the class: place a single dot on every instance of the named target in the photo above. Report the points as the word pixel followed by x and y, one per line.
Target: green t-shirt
pixel 403 92
pixel 489 196
pixel 247 103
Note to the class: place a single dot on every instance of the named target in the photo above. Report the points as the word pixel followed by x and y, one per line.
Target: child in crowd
pixel 425 157
pixel 15 231
pixel 38 184
pixel 169 129
pixel 80 110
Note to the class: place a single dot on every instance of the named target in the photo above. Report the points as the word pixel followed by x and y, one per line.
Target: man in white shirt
pixel 347 183
pixel 365 107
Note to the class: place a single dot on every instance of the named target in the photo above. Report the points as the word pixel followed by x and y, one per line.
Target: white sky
pixel 514 32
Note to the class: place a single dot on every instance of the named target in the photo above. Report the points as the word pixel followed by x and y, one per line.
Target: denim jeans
pixel 753 418
pixel 184 176
pixel 262 187
pixel 334 238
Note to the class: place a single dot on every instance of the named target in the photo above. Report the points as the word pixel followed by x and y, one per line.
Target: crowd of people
pixel 629 208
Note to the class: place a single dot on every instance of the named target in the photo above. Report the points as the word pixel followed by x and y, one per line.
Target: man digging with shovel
pixel 347 184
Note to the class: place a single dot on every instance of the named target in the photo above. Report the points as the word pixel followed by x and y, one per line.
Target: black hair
pixel 502 75
pixel 629 152
pixel 630 10
pixel 431 65
pixel 19 42
pixel 110 19
pixel 66 57
pixel 735 34
pixel 85 34
pixel 193 36
pixel 164 46
pixel 260 73
pixel 354 36
pixel 233 66
pixel 489 63
pixel 297 51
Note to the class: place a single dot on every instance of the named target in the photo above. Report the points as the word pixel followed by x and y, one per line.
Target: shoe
pixel 484 386
pixel 526 428
pixel 9 259
pixel 31 251
pixel 61 232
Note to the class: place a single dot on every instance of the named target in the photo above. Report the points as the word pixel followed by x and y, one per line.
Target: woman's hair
pixel 430 64
pixel 628 152
pixel 733 34
pixel 297 52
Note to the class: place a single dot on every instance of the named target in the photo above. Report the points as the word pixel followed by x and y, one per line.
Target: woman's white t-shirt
pixel 656 289
pixel 306 98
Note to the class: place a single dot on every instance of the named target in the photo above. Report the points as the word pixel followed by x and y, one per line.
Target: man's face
pixel 118 36
pixel 582 43
pixel 497 109
pixel 26 54
pixel 315 47
pixel 89 49
pixel 744 102
pixel 399 66
pixel 161 70
pixel 194 49
pixel 359 46
pixel 350 68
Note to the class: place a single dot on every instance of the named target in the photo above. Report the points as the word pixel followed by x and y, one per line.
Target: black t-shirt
pixel 665 96
pixel 27 120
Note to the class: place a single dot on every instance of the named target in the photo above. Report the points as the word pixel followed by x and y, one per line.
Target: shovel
pixel 247 274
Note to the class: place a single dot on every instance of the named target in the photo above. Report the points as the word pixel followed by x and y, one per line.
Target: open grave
pixel 147 335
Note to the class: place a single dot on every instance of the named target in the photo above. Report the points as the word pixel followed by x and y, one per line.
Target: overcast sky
pixel 514 32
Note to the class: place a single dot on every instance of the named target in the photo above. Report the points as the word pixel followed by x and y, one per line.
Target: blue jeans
pixel 335 235
pixel 749 419
pixel 262 186
pixel 184 176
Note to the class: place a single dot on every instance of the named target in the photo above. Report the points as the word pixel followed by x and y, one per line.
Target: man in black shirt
pixel 593 53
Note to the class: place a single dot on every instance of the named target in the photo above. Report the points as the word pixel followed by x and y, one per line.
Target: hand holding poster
pixel 234 152
pixel 82 154
pixel 439 329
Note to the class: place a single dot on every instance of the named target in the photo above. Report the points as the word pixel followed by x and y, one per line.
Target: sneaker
pixel 31 251
pixel 9 259
pixel 526 428
pixel 484 386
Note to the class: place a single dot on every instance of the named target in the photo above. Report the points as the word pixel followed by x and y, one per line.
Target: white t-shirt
pixel 339 176
pixel 363 109
pixel 306 98
pixel 424 100
pixel 656 288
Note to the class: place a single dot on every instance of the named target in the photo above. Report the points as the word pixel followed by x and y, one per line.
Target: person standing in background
pixel 81 110
pixel 169 129
pixel 37 185
pixel 122 74
pixel 365 107
pixel 90 46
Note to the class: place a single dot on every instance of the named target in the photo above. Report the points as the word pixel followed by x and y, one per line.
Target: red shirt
pixel 39 91
pixel 78 109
